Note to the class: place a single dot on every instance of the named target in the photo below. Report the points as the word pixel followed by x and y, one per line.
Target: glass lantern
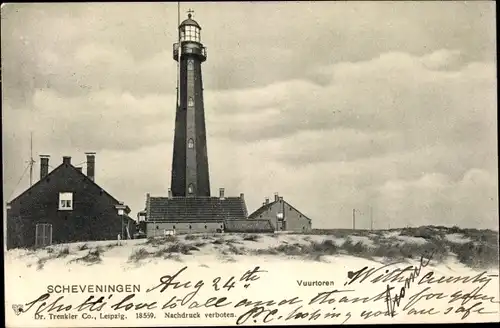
pixel 190 33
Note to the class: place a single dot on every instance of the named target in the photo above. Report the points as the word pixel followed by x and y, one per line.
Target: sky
pixel 334 105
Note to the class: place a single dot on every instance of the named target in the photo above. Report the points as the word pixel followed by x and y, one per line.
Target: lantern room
pixel 190 30
pixel 190 40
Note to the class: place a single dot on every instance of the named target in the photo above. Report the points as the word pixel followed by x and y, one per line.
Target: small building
pixel 282 216
pixel 65 206
pixel 197 214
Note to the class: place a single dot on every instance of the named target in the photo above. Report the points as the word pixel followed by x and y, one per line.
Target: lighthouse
pixel 189 206
pixel 190 174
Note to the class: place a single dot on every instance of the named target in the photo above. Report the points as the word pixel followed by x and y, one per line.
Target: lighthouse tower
pixel 190 176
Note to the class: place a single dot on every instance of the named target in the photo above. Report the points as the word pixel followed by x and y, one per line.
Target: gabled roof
pixel 262 209
pixel 247 225
pixel 54 173
pixel 211 208
pixel 265 207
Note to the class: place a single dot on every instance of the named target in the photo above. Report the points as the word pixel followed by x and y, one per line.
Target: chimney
pixel 276 197
pixel 169 193
pixel 242 197
pixel 266 201
pixel 79 169
pixel 66 160
pixel 91 165
pixel 44 166
pixel 281 199
pixel 221 193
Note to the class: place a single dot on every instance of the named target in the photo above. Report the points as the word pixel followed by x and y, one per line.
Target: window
pixel 189 226
pixel 157 227
pixel 190 189
pixel 65 201
pixel 191 144
pixel 205 227
pixel 190 33
pixel 173 227
pixel 190 64
pixel 190 102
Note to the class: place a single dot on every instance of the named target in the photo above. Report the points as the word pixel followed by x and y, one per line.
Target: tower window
pixel 190 102
pixel 190 64
pixel 191 144
pixel 190 189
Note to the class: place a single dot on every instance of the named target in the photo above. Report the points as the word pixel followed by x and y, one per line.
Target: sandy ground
pixel 29 272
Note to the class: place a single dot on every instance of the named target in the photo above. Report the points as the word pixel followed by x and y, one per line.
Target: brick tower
pixel 190 176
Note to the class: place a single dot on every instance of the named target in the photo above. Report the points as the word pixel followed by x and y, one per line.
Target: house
pixel 282 216
pixel 64 206
pixel 163 215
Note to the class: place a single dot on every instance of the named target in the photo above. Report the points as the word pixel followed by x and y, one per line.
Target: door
pixel 43 235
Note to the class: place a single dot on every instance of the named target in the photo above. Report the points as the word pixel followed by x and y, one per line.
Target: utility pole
pixel 353 219
pixel 371 218
pixel 31 161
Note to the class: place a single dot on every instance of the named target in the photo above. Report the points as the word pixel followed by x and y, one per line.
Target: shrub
pixel 251 237
pixel 181 248
pixel 139 255
pixel 92 257
pixel 326 247
pixel 191 237
pixel 423 232
pixel 161 240
pixel 358 248
pixel 236 250
pixel 83 247
pixel 63 252
pixel 401 251
pixel 477 255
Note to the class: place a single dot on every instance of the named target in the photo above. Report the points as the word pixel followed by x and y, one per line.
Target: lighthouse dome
pixel 190 22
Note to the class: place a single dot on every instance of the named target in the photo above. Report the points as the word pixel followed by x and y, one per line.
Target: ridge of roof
pixel 266 206
pixel 74 169
pixel 262 209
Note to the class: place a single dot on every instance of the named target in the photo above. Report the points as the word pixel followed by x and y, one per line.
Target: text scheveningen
pixel 75 289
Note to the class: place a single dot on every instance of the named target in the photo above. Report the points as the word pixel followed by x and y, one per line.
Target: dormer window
pixel 65 201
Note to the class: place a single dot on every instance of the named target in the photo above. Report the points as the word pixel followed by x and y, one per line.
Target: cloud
pixel 328 104
pixel 101 120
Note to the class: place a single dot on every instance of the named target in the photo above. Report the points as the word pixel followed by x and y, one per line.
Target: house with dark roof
pixel 65 206
pixel 282 216
pixel 191 214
